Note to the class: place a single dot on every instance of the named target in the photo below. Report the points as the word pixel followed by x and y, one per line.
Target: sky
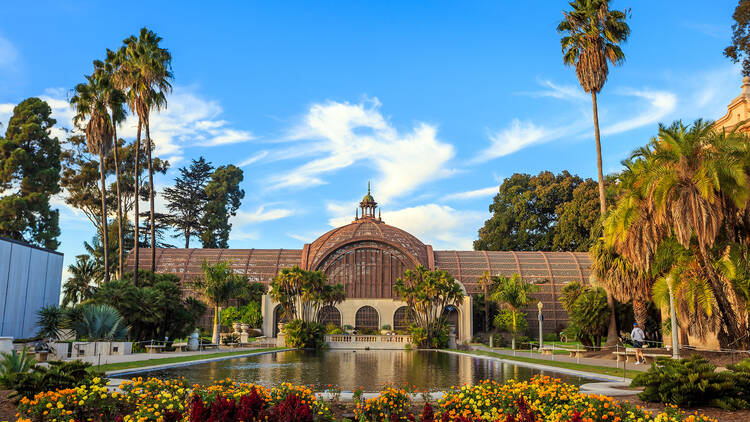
pixel 435 102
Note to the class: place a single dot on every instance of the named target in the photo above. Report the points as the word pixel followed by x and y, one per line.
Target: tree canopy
pixel 224 197
pixel 187 200
pixel 546 212
pixel 30 175
pixel 739 51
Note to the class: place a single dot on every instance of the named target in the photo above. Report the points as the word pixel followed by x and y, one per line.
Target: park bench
pixel 205 346
pixel 180 347
pixel 154 348
pixel 629 354
pixel 547 350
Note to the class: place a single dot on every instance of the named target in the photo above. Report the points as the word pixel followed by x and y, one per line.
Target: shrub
pixel 50 319
pixel 391 405
pixel 57 375
pixel 230 339
pixel 304 335
pixel 438 340
pixel 691 382
pixel 13 364
pixel 99 322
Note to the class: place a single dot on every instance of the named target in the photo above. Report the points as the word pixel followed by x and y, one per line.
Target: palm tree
pixel 485 282
pixel 115 101
pixel 100 322
pixel 146 74
pixel 592 34
pixel 219 284
pixel 91 103
pixel 78 287
pixel 513 294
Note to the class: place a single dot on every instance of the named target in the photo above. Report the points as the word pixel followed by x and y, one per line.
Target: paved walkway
pixel 106 359
pixel 611 363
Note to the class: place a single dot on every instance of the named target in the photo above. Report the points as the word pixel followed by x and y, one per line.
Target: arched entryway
pixel 367 318
pixel 329 315
pixel 402 319
pixel 277 318
pixel 451 316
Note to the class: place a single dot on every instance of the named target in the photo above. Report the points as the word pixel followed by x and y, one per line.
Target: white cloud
pixel 561 92
pixel 342 134
pixel 260 215
pixel 471 194
pixel 8 53
pixel 255 158
pixel 516 137
pixel 441 226
pixel 661 104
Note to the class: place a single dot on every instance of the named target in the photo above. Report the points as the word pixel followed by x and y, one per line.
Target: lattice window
pixel 329 315
pixel 366 318
pixel 402 318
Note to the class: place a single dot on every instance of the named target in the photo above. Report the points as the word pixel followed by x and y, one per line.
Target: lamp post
pixel 539 306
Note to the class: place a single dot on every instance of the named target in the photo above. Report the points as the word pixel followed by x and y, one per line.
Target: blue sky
pixel 435 102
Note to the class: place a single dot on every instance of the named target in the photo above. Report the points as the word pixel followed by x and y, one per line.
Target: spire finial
pixel 368 187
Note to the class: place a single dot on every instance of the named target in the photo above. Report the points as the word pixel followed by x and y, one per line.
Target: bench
pixel 546 350
pixel 630 353
pixel 205 346
pixel 153 348
pixel 180 347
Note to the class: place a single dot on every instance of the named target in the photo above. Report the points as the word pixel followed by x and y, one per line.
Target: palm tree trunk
pixel 640 311
pixel 119 208
pixel 215 334
pixel 151 197
pixel 105 240
pixel 612 328
pixel 486 311
pixel 730 326
pixel 135 202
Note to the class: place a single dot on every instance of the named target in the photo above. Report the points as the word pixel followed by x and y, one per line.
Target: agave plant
pixel 14 363
pixel 100 322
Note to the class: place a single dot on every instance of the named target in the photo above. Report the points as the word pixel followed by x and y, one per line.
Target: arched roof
pixel 365 229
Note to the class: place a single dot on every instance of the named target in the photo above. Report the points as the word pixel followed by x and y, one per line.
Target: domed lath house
pixel 367 256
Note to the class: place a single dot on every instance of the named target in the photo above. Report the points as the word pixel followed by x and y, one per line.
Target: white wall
pixel 29 279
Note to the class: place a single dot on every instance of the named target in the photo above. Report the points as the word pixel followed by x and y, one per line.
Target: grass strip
pixel 177 359
pixel 605 370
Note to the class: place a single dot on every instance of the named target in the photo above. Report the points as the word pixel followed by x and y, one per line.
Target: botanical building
pixel 367 256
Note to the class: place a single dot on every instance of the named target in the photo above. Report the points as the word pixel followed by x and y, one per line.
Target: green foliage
pixel 304 335
pixel 588 312
pixel 694 382
pixel 428 294
pixel 50 319
pixel 302 294
pixel 740 48
pixel 78 287
pixel 30 176
pixel 14 363
pixel 99 322
pixel 56 375
pixel 153 310
pixel 248 314
pixel 527 211
pixel 230 339
pixel 332 328
pixel 187 200
pixel 511 321
pixel 224 196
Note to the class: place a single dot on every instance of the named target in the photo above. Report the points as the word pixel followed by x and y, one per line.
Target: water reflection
pixel 370 370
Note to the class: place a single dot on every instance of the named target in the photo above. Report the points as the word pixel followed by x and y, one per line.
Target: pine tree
pixel 187 200
pixel 224 198
pixel 30 175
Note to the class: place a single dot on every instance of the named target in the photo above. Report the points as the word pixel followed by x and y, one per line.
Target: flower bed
pixel 540 399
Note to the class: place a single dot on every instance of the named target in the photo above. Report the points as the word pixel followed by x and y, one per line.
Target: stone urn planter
pixel 236 327
pixel 193 343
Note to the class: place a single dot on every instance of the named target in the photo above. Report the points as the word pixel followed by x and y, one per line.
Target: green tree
pixel 592 33
pixel 30 175
pixel 302 294
pixel 428 294
pixel 91 103
pixel 224 198
pixel 145 74
pixel 578 220
pixel 78 287
pixel 740 48
pixel 588 311
pixel 187 200
pixel 525 213
pixel 218 285
pixel 116 104
pixel 514 295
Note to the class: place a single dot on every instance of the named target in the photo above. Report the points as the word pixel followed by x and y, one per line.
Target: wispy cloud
pixel 8 54
pixel 713 31
pixel 560 92
pixel 661 104
pixel 254 158
pixel 342 134
pixel 471 194
pixel 518 136
pixel 260 215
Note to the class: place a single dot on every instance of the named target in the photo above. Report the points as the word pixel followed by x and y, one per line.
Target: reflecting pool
pixel 369 370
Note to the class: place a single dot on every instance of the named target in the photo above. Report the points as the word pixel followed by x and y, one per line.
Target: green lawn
pixel 575 366
pixel 178 359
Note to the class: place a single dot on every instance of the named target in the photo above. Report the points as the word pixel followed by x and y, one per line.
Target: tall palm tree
pixel 592 34
pixel 147 72
pixel 485 282
pixel 78 287
pixel 513 294
pixel 115 103
pixel 219 284
pixel 91 104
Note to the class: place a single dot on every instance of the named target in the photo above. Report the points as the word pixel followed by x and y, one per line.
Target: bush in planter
pixel 690 382
pixel 57 375
pixel 304 335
